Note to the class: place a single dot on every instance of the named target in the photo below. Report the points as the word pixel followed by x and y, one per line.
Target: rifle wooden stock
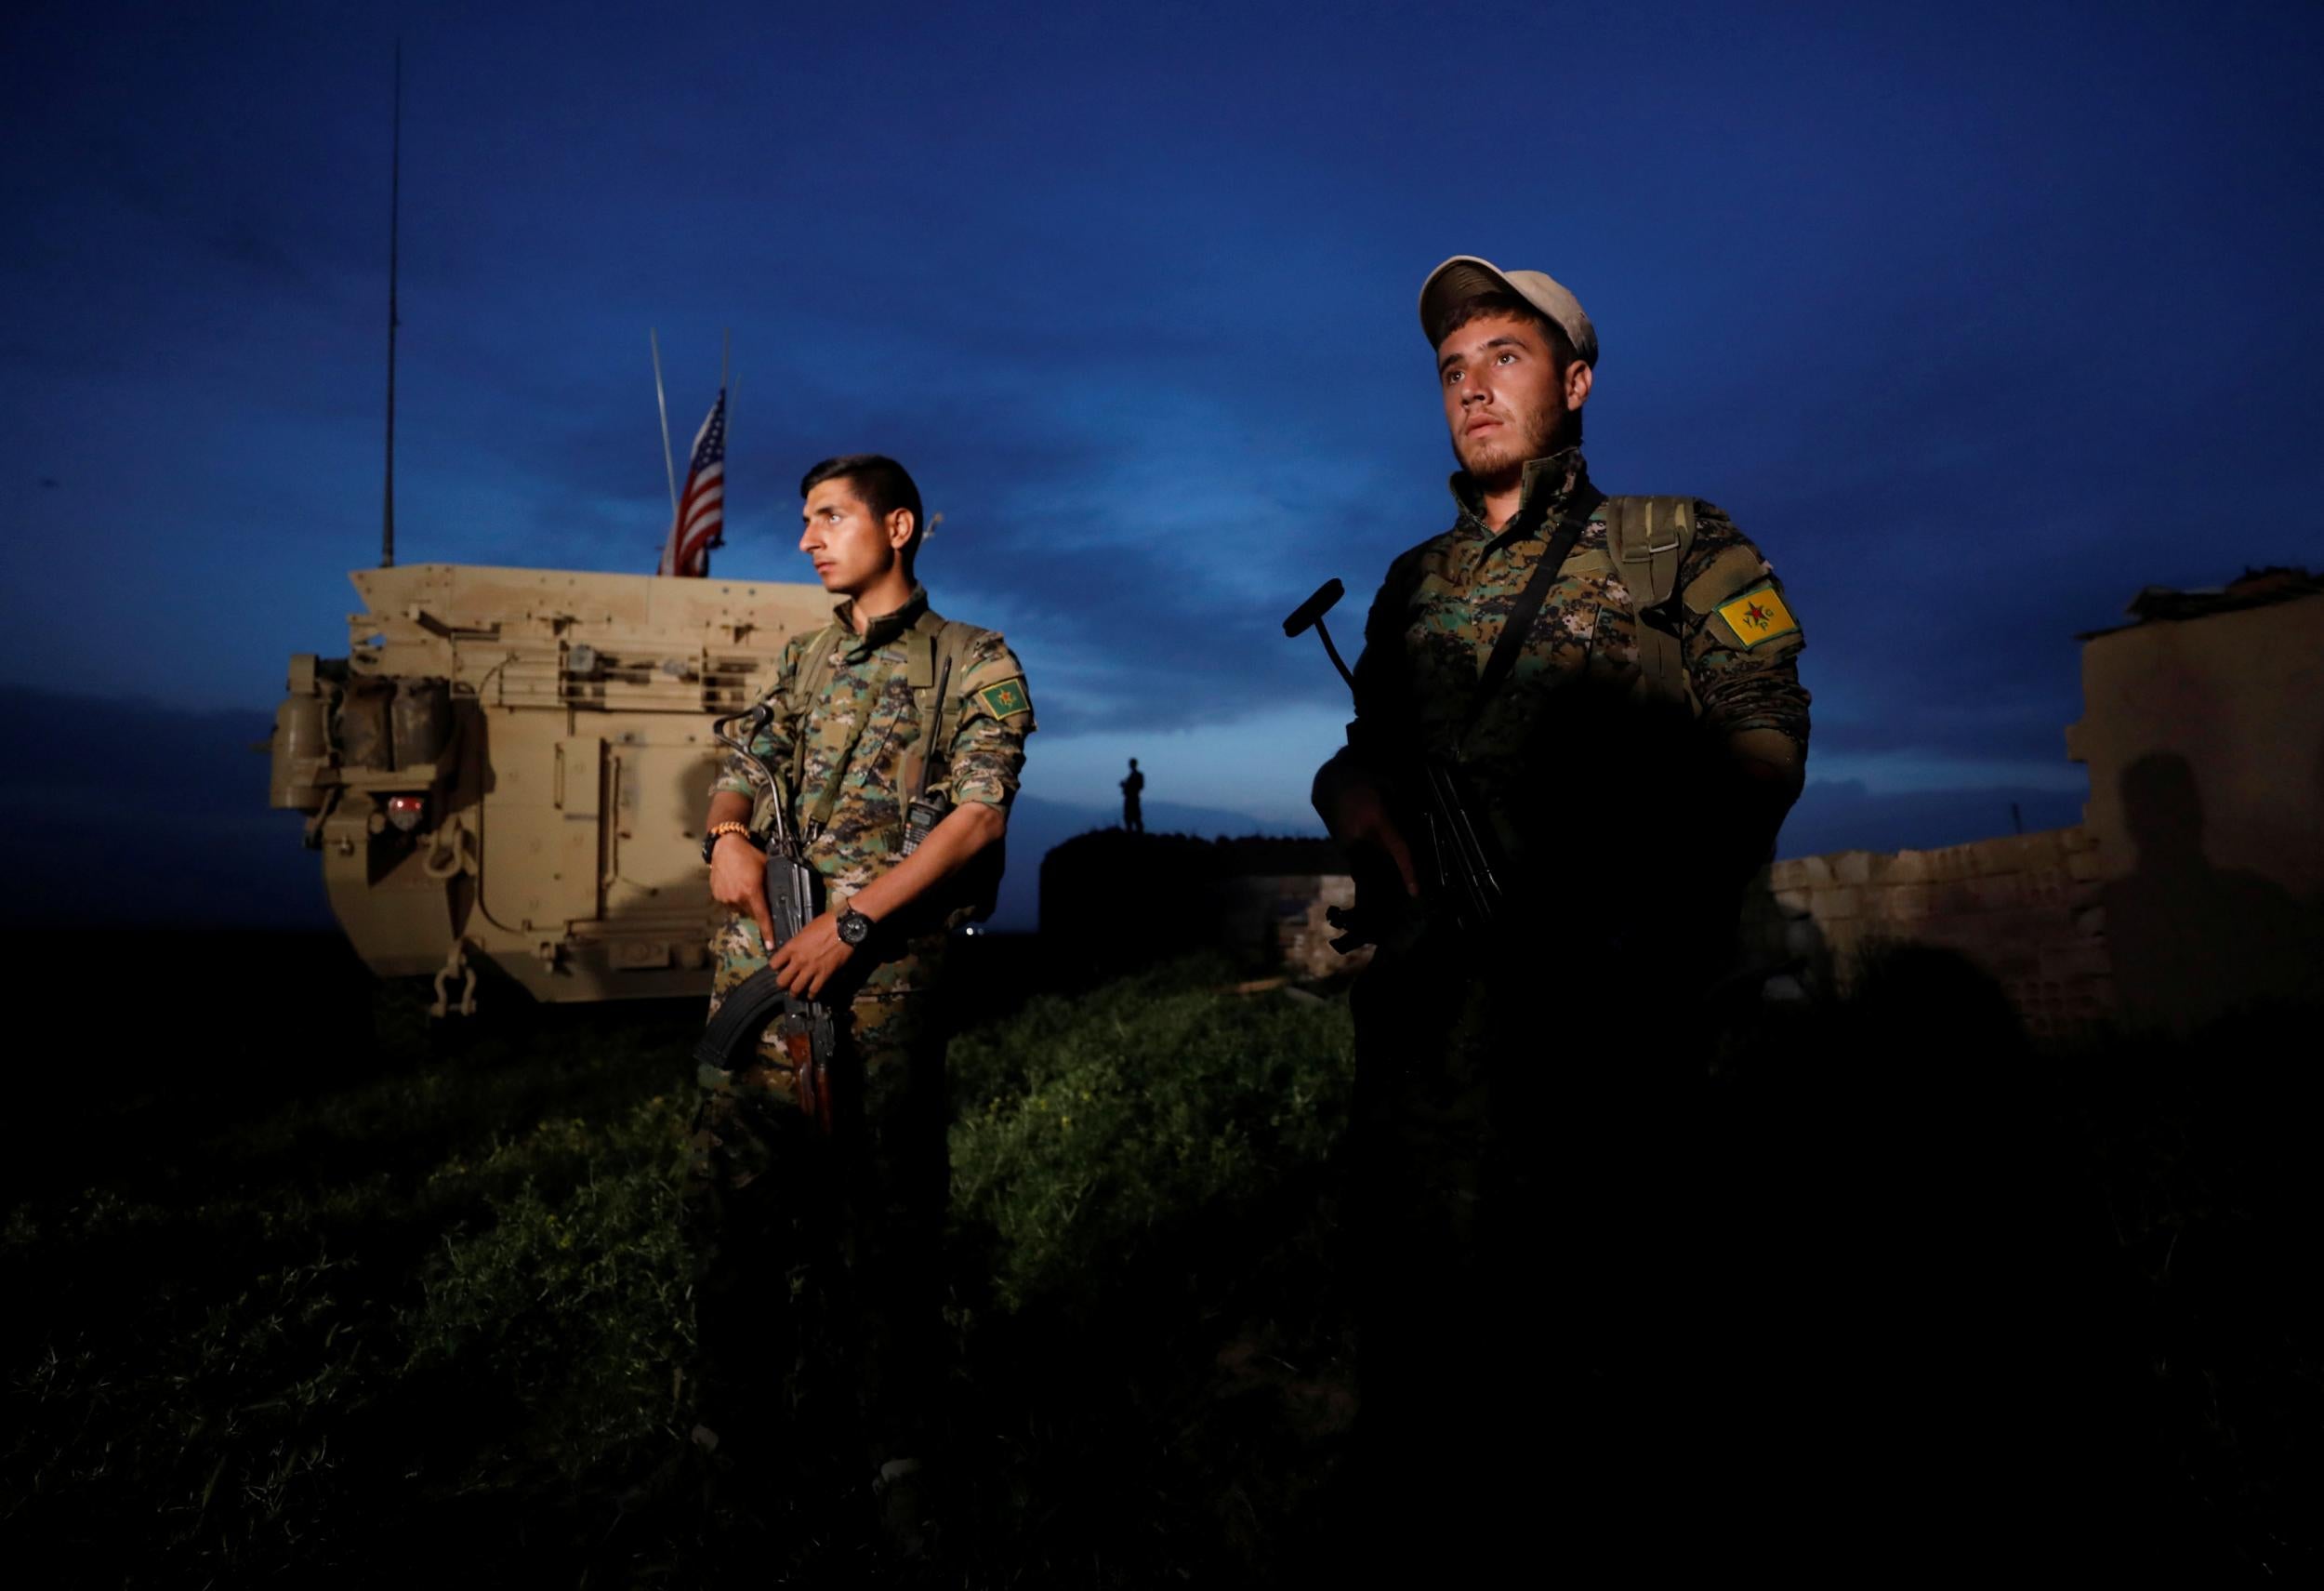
pixel 809 1039
pixel 809 1034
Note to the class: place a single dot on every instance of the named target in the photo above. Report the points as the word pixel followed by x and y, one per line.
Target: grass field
pixel 298 1288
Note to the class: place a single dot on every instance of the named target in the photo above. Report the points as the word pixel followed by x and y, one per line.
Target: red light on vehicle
pixel 405 811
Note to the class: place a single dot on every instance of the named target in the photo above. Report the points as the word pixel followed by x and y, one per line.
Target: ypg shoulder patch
pixel 1758 617
pixel 1006 699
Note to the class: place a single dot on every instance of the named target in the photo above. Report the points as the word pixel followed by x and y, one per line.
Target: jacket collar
pixel 1546 489
pixel 885 627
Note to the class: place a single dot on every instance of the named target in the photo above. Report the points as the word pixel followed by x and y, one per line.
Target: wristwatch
pixel 720 831
pixel 854 927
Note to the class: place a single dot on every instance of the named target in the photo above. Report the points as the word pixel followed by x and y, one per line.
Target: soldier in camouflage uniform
pixel 1631 761
pixel 819 1283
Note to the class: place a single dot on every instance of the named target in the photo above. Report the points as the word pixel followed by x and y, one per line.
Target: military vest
pixel 1647 540
pixel 937 651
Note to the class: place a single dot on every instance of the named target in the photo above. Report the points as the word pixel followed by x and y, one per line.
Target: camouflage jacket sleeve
pixel 987 752
pixel 773 744
pixel 1742 641
pixel 1385 729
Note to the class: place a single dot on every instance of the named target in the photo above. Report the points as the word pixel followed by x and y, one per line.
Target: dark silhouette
pixel 1527 1159
pixel 2190 940
pixel 1134 808
pixel 1913 1334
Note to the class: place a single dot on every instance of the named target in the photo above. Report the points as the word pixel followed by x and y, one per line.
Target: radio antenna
pixel 661 401
pixel 395 214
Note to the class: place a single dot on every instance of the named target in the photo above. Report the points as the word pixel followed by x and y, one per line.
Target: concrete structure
pixel 2193 886
pixel 2203 731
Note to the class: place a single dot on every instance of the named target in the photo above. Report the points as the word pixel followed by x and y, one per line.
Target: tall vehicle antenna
pixel 395 214
pixel 661 400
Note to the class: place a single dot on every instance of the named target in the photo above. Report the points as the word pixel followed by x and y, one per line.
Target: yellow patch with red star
pixel 1758 617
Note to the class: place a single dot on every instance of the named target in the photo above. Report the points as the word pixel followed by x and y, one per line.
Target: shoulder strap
pixel 940 657
pixel 940 661
pixel 1649 538
pixel 807 688
pixel 1511 639
pixel 815 668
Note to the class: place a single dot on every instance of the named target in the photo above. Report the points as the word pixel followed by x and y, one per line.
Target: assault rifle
pixel 809 1036
pixel 1463 867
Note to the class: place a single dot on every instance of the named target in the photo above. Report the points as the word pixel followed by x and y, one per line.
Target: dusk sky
pixel 1978 319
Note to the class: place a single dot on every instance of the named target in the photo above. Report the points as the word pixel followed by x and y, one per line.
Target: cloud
pixel 1137 311
pixel 1845 815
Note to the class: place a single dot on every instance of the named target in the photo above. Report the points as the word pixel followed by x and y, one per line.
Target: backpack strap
pixel 1648 539
pixel 807 687
pixel 940 659
pixel 1518 627
pixel 939 655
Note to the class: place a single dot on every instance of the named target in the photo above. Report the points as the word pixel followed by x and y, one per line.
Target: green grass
pixel 449 1294
pixel 456 1276
pixel 1086 1127
pixel 413 1305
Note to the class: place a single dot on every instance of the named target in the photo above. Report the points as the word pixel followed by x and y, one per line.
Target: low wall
pixel 1113 901
pixel 2023 907
pixel 1295 904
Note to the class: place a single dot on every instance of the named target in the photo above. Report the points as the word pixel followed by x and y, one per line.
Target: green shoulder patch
pixel 1006 699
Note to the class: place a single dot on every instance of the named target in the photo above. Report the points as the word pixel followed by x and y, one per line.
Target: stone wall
pixel 1113 901
pixel 1302 934
pixel 2024 907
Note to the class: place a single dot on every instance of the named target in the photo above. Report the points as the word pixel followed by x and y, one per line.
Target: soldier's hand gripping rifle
pixel 808 1034
pixel 1463 872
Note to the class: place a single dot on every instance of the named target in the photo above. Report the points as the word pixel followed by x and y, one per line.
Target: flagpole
pixel 395 215
pixel 735 387
pixel 661 400
pixel 726 397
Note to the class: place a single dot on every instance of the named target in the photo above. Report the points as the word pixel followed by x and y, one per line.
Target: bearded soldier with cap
pixel 1608 685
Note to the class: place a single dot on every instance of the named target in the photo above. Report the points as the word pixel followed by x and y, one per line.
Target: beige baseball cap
pixel 1464 276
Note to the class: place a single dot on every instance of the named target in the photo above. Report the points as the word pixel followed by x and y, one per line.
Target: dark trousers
pixel 1519 1222
pixel 818 1264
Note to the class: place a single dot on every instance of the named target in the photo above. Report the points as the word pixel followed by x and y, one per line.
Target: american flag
pixel 702 511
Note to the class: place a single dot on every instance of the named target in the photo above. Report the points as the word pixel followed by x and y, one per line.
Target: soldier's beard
pixel 1500 456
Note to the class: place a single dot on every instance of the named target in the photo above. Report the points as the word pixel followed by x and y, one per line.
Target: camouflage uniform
pixel 1507 1081
pixel 1542 741
pixel 819 1274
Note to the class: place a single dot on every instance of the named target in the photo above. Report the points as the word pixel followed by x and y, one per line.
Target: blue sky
pixel 1978 319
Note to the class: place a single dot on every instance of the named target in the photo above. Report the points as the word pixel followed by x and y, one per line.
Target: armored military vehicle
pixel 513 764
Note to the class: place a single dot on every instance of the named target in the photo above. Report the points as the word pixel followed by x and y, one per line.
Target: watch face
pixel 854 927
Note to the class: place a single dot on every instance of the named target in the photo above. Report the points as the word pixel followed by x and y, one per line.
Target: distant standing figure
pixel 1134 809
